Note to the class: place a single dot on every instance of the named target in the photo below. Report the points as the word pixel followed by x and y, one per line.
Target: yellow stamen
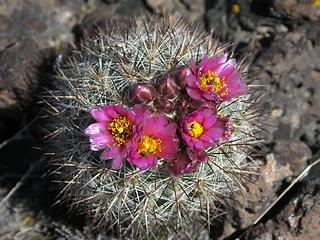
pixel 211 82
pixel 195 129
pixel 121 130
pixel 149 145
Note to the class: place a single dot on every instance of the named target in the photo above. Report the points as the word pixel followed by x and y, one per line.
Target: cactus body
pixel 148 62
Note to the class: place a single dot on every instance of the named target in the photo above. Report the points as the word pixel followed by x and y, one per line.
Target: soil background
pixel 281 41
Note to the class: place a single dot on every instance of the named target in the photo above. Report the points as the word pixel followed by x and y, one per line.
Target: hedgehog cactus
pixel 152 126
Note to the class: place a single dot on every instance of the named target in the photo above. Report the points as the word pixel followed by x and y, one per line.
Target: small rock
pixel 280 28
pixel 294 222
pixel 277 112
pixel 297 10
pixel 294 153
pixel 260 193
pixel 194 10
pixel 18 75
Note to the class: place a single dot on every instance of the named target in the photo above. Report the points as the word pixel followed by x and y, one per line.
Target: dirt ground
pixel 281 39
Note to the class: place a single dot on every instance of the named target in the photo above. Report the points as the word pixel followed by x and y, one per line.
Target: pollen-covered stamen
pixel 121 130
pixel 195 129
pixel 211 82
pixel 149 145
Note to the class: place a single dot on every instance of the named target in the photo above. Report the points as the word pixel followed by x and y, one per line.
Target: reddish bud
pixel 228 128
pixel 167 86
pixel 186 162
pixel 181 74
pixel 199 156
pixel 142 93
pixel 163 104
pixel 182 103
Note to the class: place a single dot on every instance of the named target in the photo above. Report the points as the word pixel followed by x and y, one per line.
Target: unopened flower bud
pixel 182 103
pixel 142 93
pixel 197 155
pixel 229 129
pixel 187 161
pixel 167 86
pixel 163 104
pixel 181 74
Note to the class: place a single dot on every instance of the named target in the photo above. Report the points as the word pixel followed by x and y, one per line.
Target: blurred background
pixel 281 40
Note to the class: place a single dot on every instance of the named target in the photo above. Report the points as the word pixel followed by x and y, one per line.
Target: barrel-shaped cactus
pixel 152 126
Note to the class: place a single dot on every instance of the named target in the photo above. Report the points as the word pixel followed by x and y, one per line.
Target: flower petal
pixel 137 113
pixel 195 94
pixel 212 62
pixel 144 163
pixel 168 148
pixel 99 115
pixel 191 81
pixel 209 121
pixel 198 144
pixel 226 68
pixel 170 129
pixel 96 128
pixel 100 141
pixel 116 155
pixel 117 162
pixel 111 112
pixel 109 153
pixel 215 133
pixel 207 139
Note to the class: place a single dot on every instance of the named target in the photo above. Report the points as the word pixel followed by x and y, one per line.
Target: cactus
pixel 152 65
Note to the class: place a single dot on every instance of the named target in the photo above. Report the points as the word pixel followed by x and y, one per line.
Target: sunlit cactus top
pixel 153 123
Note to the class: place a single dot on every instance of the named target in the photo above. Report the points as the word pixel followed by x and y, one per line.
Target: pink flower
pixel 113 131
pixel 215 79
pixel 202 129
pixel 156 138
pixel 187 161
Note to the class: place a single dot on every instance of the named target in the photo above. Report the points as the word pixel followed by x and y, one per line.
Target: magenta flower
pixel 156 139
pixel 187 161
pixel 202 129
pixel 215 79
pixel 113 131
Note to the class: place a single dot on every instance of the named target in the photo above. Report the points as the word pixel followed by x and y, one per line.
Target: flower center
pixel 121 130
pixel 195 129
pixel 211 82
pixel 149 145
